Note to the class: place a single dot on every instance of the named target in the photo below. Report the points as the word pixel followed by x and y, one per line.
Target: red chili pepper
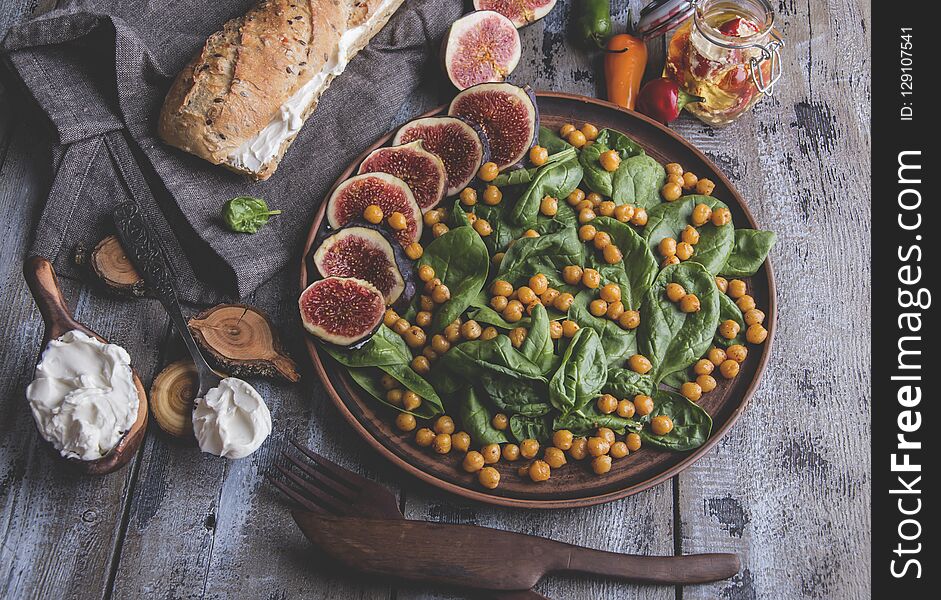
pixel 662 99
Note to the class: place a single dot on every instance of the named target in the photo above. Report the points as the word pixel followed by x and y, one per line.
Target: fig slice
pixel 361 253
pixel 461 146
pixel 520 12
pixel 480 47
pixel 343 311
pixel 422 170
pixel 506 113
pixel 388 192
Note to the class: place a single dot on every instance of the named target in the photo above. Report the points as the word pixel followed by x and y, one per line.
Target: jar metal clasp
pixel 770 52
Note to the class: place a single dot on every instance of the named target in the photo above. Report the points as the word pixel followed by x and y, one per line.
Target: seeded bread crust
pixel 237 83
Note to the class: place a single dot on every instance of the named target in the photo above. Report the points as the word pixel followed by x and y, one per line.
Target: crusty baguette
pixel 244 73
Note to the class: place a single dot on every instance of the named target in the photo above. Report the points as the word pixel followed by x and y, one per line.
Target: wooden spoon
pixel 43 285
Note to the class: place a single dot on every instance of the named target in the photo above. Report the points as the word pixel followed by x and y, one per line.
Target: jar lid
pixel 661 16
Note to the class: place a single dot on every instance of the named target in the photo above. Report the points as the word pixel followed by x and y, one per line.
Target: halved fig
pixel 506 113
pixel 521 12
pixel 388 192
pixel 461 146
pixel 422 170
pixel 361 253
pixel 480 47
pixel 342 310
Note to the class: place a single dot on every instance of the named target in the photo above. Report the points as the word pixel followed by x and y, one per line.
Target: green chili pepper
pixel 593 22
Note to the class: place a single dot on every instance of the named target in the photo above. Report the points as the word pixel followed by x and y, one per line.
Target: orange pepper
pixel 624 64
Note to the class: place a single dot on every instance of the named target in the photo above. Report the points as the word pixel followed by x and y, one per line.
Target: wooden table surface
pixel 788 488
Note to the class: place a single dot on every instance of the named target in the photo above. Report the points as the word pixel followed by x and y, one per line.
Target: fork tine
pixel 294 495
pixel 345 476
pixel 322 479
pixel 314 493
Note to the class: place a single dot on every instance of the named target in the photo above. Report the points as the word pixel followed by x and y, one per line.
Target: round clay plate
pixel 573 485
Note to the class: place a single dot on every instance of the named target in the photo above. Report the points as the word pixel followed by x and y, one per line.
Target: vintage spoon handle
pixel 41 280
pixel 674 570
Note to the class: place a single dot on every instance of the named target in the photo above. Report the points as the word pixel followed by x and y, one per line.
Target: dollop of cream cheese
pixel 257 151
pixel 231 420
pixel 83 395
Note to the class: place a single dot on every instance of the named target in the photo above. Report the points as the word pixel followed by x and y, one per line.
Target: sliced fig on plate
pixel 388 192
pixel 506 113
pixel 520 12
pixel 480 47
pixel 362 253
pixel 342 310
pixel 461 146
pixel 422 170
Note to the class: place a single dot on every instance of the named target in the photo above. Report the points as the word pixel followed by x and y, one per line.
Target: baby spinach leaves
pixel 670 338
pixel 546 254
pixel 476 419
pixel 618 343
pixel 691 424
pixel 245 214
pixel 671 218
pixel 587 420
pixel 460 260
pixel 537 427
pixel 636 271
pixel 638 181
pixel 582 373
pixel 625 383
pixel 749 252
pixel 551 141
pixel 538 346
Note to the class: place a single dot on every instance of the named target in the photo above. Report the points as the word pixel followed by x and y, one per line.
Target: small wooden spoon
pixel 43 285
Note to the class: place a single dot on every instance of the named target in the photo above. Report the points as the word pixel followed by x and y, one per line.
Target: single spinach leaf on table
pixel 618 343
pixel 749 252
pixel 636 271
pixel 460 260
pixel 638 181
pixel 476 419
pixel 691 424
pixel 584 422
pixel 246 214
pixel 556 180
pixel 538 346
pixel 546 254
pixel 671 339
pixel 728 310
pixel 671 218
pixel 535 427
pixel 624 383
pixel 582 373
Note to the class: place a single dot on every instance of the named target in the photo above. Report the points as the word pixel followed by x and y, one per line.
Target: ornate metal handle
pixel 770 52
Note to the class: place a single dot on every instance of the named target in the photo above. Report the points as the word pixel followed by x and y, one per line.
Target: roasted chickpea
pixel 423 318
pixel 554 457
pixel 471 330
pixel 684 251
pixel 722 283
pixel 633 442
pixel 579 448
pixel 441 294
pixel 737 352
pixel 729 329
pixel 489 333
pixel 442 443
pixel 405 422
pixel 569 328
pixel 626 409
pixel 586 215
pixel 624 213
pixel 745 303
pixel 591 278
pixel 590 131
pixel 426 304
pixel 491 453
pixel 598 446
pixel 675 292
pixel 606 208
pixel 606 433
pixel 706 383
pixel 468 197
pixel 643 404
pixel 601 464
pixel 572 274
pixel 400 326
pixel 511 452
pixel 562 439
pixel 488 171
pixel 670 260
pixel 754 317
pixel 489 477
pixel 615 310
pixel 460 441
pixel 394 396
pixel 525 294
pixel 640 217
pixel 390 317
pixel 737 289
pixel 607 404
pixel 501 288
pixel 538 283
pixel 410 400
pixel 716 356
pixel 439 229
pixel 576 138
pixel 513 311
pixel 667 247
pixel 529 448
pixel 677 179
pixel 575 197
pixel 756 334
pixel 492 195
pixel 563 301
pixel 433 216
pixel 691 390
pixel 473 461
pixel 429 353
pixel 702 214
pixel 566 129
pixel 517 336
pixel 703 367
pixel 538 155
pixel 549 206
pixel 689 180
pixel 629 319
pixel 598 307
pixel 705 187
pixel 612 254
pixel 397 221
pixel 729 369
pixel 601 240
pixel 618 450
pixel 721 217
pixel 452 333
pixel 690 303
pixel 539 470
pixel 671 192
pixel 587 233
pixel 555 330
pixel 548 296
pixel 444 424
pixel 610 160
pixel 498 258
pixel 421 365
pixel 424 437
pixel 690 235
pixel 373 214
pixel 414 337
pixel 482 227
pixel 426 273
pixel 661 425
pixel 388 382
pixel 674 169
pixel 498 303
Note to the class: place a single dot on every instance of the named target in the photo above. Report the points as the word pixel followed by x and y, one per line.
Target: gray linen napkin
pixel 100 69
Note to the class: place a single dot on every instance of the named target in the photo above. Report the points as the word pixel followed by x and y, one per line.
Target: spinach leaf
pixel 524 176
pixel 476 419
pixel 618 343
pixel 582 373
pixel 245 214
pixel 458 217
pixel 729 311
pixel 546 254
pixel 556 180
pixel 503 232
pixel 677 379
pixel 624 145
pixel 551 141
pixel 671 218
pixel 691 424
pixel 749 252
pixel 538 346
pixel 587 420
pixel 595 176
pixel 460 260
pixel 531 427
pixel 625 383
pixel 670 338
pixel 636 271
pixel 638 181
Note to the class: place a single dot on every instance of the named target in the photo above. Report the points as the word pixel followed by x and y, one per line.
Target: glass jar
pixel 727 52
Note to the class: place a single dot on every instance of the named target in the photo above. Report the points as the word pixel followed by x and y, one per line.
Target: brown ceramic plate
pixel 574 485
